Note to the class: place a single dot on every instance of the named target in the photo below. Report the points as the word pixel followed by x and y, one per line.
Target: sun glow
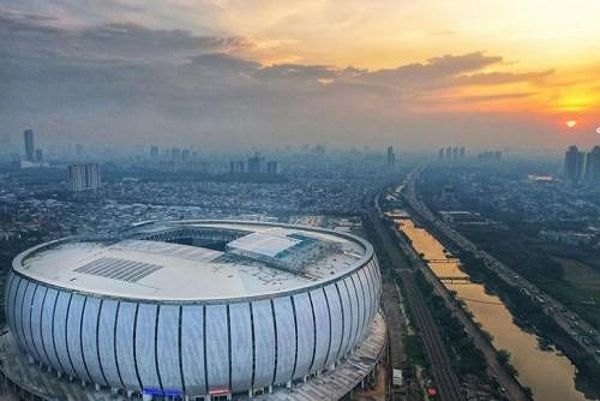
pixel 571 123
pixel 577 102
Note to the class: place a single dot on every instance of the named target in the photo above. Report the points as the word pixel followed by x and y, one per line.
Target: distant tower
pixel 185 155
pixel 455 153
pixel 255 164
pixel 574 160
pixel 461 152
pixel 441 154
pixel 391 157
pixel 176 154
pixel 448 153
pixel 39 155
pixel 154 152
pixel 79 151
pixel 84 176
pixel 592 166
pixel 29 145
pixel 272 167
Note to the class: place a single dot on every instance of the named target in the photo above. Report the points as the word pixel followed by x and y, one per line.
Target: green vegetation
pixel 467 359
pixel 569 273
pixel 414 350
pixel 530 316
pixel 567 276
pixel 503 356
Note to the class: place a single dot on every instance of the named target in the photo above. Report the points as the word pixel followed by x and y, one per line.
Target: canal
pixel 549 374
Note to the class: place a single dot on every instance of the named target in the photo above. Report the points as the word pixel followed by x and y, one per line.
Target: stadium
pixel 195 310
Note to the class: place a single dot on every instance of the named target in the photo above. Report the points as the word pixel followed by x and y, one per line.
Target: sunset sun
pixel 571 123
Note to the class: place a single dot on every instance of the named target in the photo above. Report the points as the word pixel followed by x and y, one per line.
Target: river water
pixel 550 375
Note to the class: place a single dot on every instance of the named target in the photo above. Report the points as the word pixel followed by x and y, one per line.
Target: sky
pixel 232 74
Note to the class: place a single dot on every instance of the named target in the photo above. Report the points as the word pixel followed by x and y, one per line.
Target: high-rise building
pixel 461 152
pixel 84 176
pixel 255 164
pixel 29 144
pixel 449 153
pixel 176 154
pixel 79 151
pixel 592 166
pixel 272 167
pixel 39 155
pixel 185 155
pixel 441 154
pixel 455 153
pixel 574 161
pixel 490 155
pixel 154 152
pixel 391 157
pixel 237 167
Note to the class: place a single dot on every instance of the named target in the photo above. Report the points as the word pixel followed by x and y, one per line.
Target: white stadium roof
pixel 154 269
pixel 265 244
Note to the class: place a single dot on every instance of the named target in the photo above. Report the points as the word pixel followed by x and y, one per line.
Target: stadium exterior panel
pixel 174 309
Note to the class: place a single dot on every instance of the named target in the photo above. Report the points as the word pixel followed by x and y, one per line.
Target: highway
pixel 579 330
pixel 445 380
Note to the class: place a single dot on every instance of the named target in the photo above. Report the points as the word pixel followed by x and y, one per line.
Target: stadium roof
pixel 153 269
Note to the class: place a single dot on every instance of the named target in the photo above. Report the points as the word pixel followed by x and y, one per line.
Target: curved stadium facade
pixel 195 308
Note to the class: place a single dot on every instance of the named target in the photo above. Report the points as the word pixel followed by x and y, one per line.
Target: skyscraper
pixel 592 166
pixel 29 145
pixel 455 153
pixel 176 154
pixel 237 167
pixel 574 160
pixel 154 152
pixel 391 157
pixel 255 164
pixel 186 154
pixel 79 151
pixel 272 167
pixel 84 176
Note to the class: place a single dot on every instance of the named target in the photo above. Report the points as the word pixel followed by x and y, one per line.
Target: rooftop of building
pixel 196 260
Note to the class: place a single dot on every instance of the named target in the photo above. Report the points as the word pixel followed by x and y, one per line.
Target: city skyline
pixel 226 200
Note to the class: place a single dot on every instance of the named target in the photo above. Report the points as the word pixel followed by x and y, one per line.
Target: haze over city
pixel 321 200
pixel 229 74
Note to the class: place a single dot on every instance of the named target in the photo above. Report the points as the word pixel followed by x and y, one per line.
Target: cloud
pixel 500 78
pixel 435 69
pixel 28 35
pixel 492 98
pixel 297 71
pixel 128 83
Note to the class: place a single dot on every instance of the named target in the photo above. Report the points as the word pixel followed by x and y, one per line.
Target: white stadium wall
pixel 193 348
